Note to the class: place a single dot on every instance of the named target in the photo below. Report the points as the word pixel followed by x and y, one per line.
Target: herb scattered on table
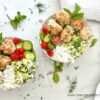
pixel 31 11
pixel 28 94
pixel 72 84
pixel 76 14
pixel 40 7
pixel 76 67
pixel 57 68
pixel 93 42
pixel 17 20
pixel 41 98
pixel 0 38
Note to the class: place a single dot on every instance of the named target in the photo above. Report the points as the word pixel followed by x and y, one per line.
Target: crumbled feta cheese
pixel 61 54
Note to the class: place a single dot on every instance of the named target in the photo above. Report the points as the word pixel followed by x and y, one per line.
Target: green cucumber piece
pixel 42 36
pixel 27 45
pixel 47 38
pixel 20 45
pixel 50 45
pixel 29 55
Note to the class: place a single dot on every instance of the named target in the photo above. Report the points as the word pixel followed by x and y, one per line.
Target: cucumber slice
pixel 47 38
pixel 42 36
pixel 27 45
pixel 50 45
pixel 29 55
pixel 20 45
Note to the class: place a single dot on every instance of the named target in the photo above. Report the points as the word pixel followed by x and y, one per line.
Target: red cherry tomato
pixel 44 45
pixel 16 40
pixel 14 57
pixel 56 40
pixel 19 51
pixel 20 57
pixel 45 30
pixel 50 52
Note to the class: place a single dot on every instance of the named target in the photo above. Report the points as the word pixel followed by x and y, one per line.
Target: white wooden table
pixel 43 88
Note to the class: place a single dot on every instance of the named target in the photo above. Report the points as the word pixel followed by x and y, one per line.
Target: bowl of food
pixel 65 35
pixel 17 62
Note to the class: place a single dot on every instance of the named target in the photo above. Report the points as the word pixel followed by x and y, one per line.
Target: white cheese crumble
pixel 61 54
pixel 9 78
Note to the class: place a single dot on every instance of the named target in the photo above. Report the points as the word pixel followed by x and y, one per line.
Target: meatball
pixel 54 27
pixel 66 34
pixel 7 46
pixel 84 33
pixel 77 24
pixel 4 61
pixel 62 17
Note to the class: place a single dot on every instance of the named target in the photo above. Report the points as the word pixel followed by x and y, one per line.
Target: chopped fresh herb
pixel 0 38
pixel 64 26
pixel 40 7
pixel 75 31
pixel 77 43
pixel 16 21
pixel 93 42
pixel 55 77
pixel 72 84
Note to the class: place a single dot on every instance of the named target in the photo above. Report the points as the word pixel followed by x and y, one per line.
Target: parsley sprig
pixel 76 14
pixel 17 20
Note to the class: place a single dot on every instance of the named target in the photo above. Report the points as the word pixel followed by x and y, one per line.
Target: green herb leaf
pixel 77 43
pixel 64 26
pixel 58 67
pixel 76 30
pixel 93 42
pixel 55 77
pixel 67 10
pixel 16 21
pixel 78 16
pixel 14 24
pixel 1 38
pixel 77 9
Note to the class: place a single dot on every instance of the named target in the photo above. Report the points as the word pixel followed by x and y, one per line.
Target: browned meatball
pixel 54 27
pixel 66 34
pixel 77 24
pixel 62 17
pixel 84 33
pixel 7 46
pixel 4 61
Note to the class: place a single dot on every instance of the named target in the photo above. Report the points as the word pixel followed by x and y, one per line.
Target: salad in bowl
pixel 65 35
pixel 17 62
